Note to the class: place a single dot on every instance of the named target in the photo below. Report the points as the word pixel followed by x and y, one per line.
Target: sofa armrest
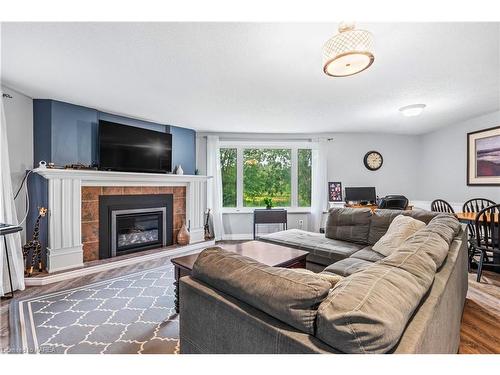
pixel 216 323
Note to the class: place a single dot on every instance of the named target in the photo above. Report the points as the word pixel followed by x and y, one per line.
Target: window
pixel 228 171
pixel 267 174
pixel 280 171
pixel 304 168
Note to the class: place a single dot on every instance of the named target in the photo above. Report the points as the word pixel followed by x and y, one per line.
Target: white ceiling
pixel 258 77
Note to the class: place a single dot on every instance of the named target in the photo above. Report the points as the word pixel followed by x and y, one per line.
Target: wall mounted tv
pixel 131 149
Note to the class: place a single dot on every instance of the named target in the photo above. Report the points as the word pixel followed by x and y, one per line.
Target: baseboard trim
pixel 79 272
pixel 237 237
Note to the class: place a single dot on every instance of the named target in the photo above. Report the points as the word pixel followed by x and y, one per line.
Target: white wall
pixel 19 118
pixel 397 174
pixel 345 163
pixel 442 170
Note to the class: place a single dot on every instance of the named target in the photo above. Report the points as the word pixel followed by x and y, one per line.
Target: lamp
pixel 412 110
pixel 349 52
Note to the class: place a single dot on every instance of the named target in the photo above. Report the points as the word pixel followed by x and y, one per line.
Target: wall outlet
pixel 300 223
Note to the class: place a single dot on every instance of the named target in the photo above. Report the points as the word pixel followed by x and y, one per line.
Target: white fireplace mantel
pixel 65 249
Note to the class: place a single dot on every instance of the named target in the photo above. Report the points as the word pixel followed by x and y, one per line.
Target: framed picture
pixel 483 157
pixel 335 192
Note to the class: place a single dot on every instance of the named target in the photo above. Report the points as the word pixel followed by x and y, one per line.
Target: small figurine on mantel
pixel 32 251
pixel 179 170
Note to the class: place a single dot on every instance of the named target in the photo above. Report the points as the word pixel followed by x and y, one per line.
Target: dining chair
pixel 474 205
pixel 440 205
pixel 487 241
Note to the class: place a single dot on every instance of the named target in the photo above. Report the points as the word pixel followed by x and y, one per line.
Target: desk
pixel 6 229
pixel 272 216
pixel 372 207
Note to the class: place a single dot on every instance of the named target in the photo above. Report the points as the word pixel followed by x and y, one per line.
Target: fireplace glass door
pixel 139 229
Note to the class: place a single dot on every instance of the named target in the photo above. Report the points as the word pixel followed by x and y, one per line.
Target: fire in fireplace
pixel 141 228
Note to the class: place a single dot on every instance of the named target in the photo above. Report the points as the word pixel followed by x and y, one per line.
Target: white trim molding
pixel 84 271
pixel 65 249
pixel 293 146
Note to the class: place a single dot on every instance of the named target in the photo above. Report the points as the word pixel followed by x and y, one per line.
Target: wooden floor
pixel 480 332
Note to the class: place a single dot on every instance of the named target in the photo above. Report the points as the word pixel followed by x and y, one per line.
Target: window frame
pixel 294 146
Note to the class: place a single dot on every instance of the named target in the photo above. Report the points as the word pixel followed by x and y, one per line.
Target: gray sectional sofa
pixel 408 302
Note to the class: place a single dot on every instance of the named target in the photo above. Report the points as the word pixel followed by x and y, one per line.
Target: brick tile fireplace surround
pixel 73 207
pixel 90 211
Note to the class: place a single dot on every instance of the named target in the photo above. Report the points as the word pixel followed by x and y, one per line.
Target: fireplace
pixel 137 229
pixel 131 223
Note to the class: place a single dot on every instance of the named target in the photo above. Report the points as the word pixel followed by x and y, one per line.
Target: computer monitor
pixel 360 194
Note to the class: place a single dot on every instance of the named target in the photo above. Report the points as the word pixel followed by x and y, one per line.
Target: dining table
pixel 470 217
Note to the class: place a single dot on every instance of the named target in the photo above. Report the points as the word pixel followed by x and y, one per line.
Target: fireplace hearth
pixel 131 223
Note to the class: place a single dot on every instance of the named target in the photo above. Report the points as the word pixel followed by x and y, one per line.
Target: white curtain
pixel 214 185
pixel 8 215
pixel 319 198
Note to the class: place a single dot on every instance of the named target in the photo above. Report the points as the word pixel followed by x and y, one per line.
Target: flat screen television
pixel 131 149
pixel 360 194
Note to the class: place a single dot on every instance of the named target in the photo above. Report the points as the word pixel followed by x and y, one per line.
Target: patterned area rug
pixel 128 314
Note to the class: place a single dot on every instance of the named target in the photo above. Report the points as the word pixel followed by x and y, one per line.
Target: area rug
pixel 128 314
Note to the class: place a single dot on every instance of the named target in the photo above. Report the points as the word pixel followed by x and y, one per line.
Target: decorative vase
pixel 183 236
pixel 179 170
pixel 269 207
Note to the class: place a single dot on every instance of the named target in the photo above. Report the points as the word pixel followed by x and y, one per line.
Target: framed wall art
pixel 483 157
pixel 335 192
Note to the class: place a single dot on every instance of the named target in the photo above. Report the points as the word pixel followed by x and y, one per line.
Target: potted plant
pixel 268 202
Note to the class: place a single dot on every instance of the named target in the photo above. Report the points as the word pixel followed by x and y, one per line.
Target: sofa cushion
pixel 324 250
pixel 400 229
pixel 381 219
pixel 332 278
pixel 348 224
pixel 367 253
pixel 351 318
pixel 347 266
pixel 434 239
pixel 292 297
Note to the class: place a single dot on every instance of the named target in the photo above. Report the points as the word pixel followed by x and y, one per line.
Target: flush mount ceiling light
pixel 412 110
pixel 349 52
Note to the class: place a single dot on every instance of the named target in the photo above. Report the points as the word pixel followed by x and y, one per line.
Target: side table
pixel 271 216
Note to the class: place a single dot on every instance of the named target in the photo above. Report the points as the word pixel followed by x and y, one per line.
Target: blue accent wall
pixel 74 134
pixel 66 133
pixel 38 190
pixel 183 149
pixel 42 130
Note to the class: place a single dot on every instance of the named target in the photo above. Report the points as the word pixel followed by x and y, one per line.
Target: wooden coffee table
pixel 263 252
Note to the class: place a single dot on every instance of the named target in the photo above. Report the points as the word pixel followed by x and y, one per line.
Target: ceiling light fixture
pixel 412 110
pixel 349 52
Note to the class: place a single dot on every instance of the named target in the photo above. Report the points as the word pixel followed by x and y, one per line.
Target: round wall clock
pixel 373 160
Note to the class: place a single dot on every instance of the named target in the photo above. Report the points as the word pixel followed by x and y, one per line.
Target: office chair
pixel 394 202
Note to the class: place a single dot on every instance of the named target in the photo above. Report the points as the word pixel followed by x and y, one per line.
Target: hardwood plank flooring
pixel 480 331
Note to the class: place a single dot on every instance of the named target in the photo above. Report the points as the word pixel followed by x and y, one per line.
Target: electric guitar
pixel 208 235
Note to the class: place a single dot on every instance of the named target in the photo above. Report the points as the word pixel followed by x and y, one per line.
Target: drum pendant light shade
pixel 349 52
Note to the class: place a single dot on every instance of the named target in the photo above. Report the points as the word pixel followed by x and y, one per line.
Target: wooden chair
pixel 487 241
pixel 440 205
pixel 474 205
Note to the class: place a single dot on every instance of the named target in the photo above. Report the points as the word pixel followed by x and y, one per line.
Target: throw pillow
pixel 401 228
